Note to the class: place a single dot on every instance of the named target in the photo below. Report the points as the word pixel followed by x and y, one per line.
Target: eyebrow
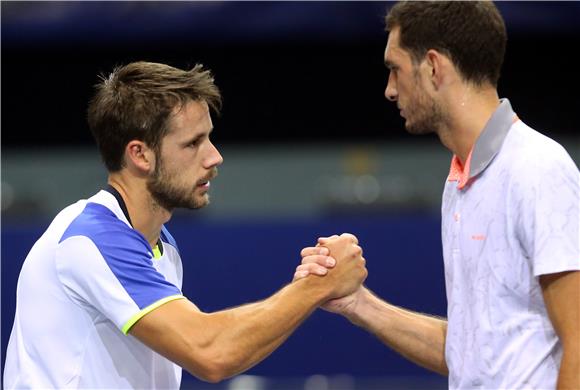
pixel 198 137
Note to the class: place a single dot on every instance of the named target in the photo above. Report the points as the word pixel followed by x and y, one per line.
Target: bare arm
pixel 214 346
pixel 562 297
pixel 418 337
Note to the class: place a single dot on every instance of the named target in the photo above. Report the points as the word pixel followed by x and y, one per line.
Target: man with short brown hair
pixel 99 302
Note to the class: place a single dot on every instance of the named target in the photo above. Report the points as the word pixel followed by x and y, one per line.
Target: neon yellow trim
pixel 148 309
pixel 156 252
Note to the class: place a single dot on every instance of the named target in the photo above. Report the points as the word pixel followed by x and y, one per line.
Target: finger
pixel 312 269
pixel 350 236
pixel 323 240
pixel 325 261
pixel 304 270
pixel 309 251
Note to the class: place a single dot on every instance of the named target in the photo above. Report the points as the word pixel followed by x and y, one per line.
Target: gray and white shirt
pixel 511 215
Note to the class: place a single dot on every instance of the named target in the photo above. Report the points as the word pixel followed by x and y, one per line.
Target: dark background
pixel 289 72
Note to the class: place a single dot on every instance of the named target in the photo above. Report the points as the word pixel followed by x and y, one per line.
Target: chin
pixel 201 202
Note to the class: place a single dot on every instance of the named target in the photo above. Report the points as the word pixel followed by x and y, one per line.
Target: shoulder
pixel 534 148
pixel 534 157
pixel 112 236
pixel 541 177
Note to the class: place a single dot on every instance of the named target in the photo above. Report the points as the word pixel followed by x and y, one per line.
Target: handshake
pixel 337 266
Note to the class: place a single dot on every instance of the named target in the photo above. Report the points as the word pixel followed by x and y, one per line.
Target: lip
pixel 205 182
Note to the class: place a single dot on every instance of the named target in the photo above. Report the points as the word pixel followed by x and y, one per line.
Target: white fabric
pixel 517 220
pixel 77 289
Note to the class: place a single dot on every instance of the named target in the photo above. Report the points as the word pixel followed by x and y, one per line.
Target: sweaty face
pixel 186 161
pixel 407 89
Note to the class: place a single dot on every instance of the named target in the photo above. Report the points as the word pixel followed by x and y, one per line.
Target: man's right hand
pixel 346 276
pixel 317 261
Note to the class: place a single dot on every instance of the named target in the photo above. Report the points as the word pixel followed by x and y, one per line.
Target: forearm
pixel 243 336
pixel 214 346
pixel 569 374
pixel 418 337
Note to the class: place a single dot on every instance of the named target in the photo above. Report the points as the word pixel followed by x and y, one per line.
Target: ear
pixel 437 65
pixel 139 156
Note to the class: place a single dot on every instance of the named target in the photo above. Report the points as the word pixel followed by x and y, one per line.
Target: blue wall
pixel 228 263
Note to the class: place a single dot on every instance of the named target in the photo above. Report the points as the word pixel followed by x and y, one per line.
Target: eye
pixel 194 143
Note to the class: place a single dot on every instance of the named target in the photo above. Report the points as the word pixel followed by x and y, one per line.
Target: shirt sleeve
pixel 115 275
pixel 549 208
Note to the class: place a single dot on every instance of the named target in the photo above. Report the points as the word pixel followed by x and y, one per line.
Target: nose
pixel 391 92
pixel 214 158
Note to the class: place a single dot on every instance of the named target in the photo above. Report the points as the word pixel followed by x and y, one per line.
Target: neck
pixel 146 215
pixel 469 110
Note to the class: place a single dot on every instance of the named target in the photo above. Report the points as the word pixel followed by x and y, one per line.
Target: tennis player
pixel 510 213
pixel 99 301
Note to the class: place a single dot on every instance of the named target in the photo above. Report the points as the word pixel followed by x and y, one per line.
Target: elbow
pixel 210 376
pixel 212 368
pixel 213 375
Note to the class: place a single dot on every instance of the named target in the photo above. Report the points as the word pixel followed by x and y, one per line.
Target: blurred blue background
pixel 311 148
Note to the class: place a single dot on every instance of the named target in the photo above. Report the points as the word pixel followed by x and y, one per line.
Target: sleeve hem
pixel 125 329
pixel 539 271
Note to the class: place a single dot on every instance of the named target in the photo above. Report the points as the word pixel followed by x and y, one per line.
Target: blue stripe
pixel 126 252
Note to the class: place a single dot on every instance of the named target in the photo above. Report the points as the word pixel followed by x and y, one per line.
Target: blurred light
pixel 367 189
pixel 7 195
pixel 247 382
pixel 316 382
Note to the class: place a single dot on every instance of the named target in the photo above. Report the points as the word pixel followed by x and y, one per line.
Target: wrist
pixel 355 312
pixel 316 288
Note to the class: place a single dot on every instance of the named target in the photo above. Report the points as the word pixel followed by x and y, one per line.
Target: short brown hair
pixel 471 33
pixel 136 100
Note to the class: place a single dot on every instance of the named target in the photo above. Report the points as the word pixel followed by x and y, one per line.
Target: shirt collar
pixel 486 147
pixel 158 249
pixel 113 191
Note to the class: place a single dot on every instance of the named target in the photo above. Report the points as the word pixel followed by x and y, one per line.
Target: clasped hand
pixel 340 259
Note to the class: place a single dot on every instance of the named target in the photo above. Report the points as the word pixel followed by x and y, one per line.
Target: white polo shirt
pixel 511 215
pixel 85 282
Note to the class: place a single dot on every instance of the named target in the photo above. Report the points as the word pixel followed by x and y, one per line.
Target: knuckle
pixel 305 260
pixel 350 237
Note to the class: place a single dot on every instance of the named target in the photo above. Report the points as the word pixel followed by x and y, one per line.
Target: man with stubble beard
pixel 510 214
pixel 99 302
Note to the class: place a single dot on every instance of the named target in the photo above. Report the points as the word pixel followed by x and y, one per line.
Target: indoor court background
pixel 311 148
